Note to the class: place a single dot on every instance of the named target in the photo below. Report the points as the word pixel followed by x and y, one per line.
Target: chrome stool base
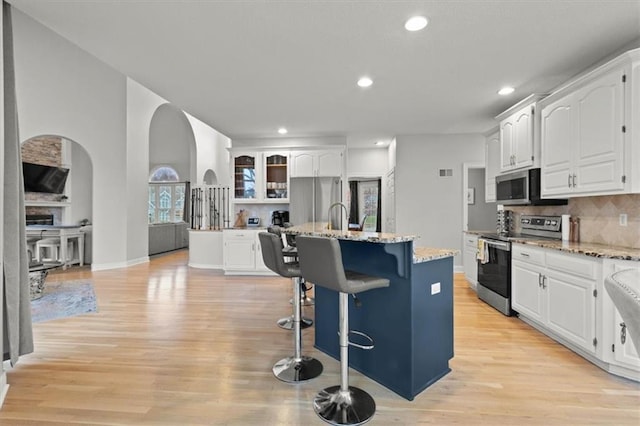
pixel 339 408
pixel 291 370
pixel 287 323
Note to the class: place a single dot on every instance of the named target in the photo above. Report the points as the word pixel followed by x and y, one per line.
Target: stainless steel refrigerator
pixel 311 197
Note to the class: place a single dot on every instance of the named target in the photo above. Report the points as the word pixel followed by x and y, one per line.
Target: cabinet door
pixel 492 166
pixel 556 136
pixel 470 256
pixel 599 139
pixel 239 250
pixel 276 177
pixel 329 163
pixel 302 164
pixel 526 290
pixel 506 144
pixel 523 138
pixel 625 352
pixel 245 172
pixel 571 309
pixel 259 264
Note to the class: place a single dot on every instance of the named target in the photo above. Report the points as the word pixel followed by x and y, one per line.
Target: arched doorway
pixel 72 202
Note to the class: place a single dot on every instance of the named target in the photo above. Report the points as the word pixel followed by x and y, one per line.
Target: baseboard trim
pixel 117 265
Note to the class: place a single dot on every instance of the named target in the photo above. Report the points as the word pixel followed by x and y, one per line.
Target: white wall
pixel 64 91
pixel 141 105
pixel 426 204
pixel 212 153
pixel 171 141
pixel 3 374
pixel 367 162
pixel 481 215
pixel 81 172
pixel 289 142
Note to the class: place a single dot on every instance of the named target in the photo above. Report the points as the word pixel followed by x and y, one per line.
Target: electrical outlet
pixel 623 219
pixel 435 288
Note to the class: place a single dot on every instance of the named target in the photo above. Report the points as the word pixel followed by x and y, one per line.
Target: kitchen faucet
pixel 346 212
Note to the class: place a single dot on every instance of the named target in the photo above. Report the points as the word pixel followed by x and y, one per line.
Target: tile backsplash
pixel 599 218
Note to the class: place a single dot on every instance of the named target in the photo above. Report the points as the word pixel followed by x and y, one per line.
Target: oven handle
pixel 497 244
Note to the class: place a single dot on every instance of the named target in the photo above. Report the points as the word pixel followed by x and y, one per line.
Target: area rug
pixel 64 299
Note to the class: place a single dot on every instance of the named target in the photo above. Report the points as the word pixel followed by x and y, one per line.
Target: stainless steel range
pixel 494 258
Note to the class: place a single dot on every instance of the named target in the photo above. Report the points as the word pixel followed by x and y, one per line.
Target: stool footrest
pixel 359 345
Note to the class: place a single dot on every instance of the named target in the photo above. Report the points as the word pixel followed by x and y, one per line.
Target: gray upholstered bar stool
pixel 292 250
pixel 287 322
pixel 295 368
pixel 321 263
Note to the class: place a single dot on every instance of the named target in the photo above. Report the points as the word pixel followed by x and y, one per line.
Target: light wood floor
pixel 173 345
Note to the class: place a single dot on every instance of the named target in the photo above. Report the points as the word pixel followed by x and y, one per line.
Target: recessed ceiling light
pixel 365 82
pixel 506 91
pixel 416 23
pixel 282 131
pixel 379 143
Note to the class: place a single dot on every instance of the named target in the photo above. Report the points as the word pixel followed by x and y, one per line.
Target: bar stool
pixel 287 322
pixel 296 368
pixel 321 264
pixel 291 248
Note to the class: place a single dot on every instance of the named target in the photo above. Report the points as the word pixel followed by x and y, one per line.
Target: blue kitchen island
pixel 411 321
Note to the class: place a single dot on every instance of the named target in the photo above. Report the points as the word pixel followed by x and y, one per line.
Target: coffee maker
pixel 279 217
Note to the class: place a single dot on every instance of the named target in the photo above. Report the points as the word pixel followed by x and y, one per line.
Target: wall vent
pixel 446 172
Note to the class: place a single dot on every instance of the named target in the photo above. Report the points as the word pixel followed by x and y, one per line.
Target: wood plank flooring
pixel 173 345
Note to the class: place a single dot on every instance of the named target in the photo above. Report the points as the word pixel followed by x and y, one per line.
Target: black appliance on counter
pixel 494 260
pixel 523 188
pixel 279 217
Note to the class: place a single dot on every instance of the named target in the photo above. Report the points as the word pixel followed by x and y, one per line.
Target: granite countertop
pixel 426 254
pixel 319 229
pixel 420 254
pixel 588 249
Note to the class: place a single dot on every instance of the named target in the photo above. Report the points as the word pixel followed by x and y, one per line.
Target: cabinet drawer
pixel 471 241
pixel 580 265
pixel 527 254
pixel 233 234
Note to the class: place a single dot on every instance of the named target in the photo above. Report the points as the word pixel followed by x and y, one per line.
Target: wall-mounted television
pixel 41 178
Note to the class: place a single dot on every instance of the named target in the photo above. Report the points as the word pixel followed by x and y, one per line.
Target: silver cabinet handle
pixel 623 333
pixel 539 280
pixel 569 180
pixel 524 254
pixel 574 180
pixel 544 278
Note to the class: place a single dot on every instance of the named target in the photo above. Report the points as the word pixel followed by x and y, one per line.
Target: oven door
pixel 494 272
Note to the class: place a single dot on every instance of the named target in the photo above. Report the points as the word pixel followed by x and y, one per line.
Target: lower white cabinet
pixel 469 259
pixel 242 253
pixel 557 291
pixel 619 350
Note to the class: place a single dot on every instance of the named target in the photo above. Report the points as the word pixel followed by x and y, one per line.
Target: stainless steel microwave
pixel 522 188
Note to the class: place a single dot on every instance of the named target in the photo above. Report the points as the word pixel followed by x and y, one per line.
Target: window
pixel 166 196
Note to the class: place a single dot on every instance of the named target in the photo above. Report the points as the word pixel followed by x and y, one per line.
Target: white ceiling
pixel 249 67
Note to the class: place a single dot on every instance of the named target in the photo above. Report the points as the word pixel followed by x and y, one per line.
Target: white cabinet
pixel 557 291
pixel 492 166
pixel 242 254
pixel 619 349
pixel 469 259
pixel 309 163
pixel 582 139
pixel 519 135
pixel 589 145
pixel 260 177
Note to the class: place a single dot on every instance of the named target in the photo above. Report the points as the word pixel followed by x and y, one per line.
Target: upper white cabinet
pixel 260 177
pixel 309 163
pixel 587 144
pixel 492 166
pixel 519 135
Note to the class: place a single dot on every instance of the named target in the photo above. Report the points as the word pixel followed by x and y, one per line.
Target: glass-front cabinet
pixel 245 176
pixel 276 176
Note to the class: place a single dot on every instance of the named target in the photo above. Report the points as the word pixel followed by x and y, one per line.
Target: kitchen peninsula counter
pixel 411 321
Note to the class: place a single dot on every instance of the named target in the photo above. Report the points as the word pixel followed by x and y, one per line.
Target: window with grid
pixel 166 196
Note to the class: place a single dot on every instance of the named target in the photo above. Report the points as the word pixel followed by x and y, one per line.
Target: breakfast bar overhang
pixel 410 322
